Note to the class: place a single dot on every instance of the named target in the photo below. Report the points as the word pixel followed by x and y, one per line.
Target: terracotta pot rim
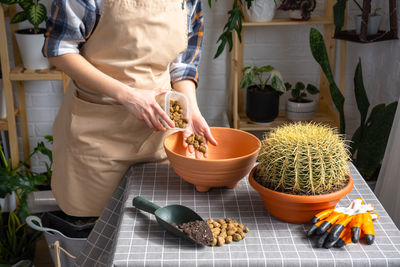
pixel 301 198
pixel 218 160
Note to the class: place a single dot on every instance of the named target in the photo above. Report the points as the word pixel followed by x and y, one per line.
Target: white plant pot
pixel 295 14
pixel 373 24
pixel 8 203
pixel 300 111
pixel 260 11
pixel 30 48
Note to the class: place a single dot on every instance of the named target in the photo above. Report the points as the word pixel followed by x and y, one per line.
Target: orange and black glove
pixel 335 225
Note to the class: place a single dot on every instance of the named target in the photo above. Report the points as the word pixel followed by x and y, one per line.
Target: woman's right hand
pixel 142 103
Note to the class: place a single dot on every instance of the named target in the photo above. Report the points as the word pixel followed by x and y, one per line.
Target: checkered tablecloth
pixel 125 236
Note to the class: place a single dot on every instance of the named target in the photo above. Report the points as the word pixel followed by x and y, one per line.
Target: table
pixel 125 236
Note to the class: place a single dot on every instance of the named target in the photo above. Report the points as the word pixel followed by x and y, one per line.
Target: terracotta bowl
pixel 297 208
pixel 226 164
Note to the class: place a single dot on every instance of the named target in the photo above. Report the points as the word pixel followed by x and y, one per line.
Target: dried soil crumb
pixel 198 231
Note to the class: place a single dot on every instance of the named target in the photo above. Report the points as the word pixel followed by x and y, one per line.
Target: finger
pixel 321 240
pixel 355 227
pixel 148 122
pixel 329 222
pixel 321 215
pixel 198 154
pixel 156 123
pixel 210 138
pixel 313 228
pixel 339 226
pixel 164 116
pixel 368 228
pixel 344 239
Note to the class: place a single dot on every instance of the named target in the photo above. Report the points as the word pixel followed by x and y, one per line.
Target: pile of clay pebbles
pixel 226 230
pixel 197 141
pixel 176 114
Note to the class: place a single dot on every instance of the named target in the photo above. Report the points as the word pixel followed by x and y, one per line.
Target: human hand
pixel 338 226
pixel 199 126
pixel 143 105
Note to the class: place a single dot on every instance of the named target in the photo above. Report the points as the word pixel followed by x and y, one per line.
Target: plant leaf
pixel 312 89
pixel 372 147
pixel 19 17
pixel 338 14
pixel 300 86
pixel 277 81
pixel 37 14
pixel 361 96
pixel 267 68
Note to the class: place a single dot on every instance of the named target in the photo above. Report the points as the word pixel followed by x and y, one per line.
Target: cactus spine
pixel 303 159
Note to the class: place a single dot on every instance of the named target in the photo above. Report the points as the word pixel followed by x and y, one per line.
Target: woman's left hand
pixel 199 126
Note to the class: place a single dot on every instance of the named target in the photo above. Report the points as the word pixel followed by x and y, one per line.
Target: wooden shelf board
pixel 350 35
pixel 21 74
pixel 247 125
pixel 3 125
pixel 288 21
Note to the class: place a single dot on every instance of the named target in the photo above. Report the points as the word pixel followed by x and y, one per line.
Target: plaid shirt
pixel 72 22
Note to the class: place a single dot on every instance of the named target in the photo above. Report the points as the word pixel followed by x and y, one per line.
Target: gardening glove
pixel 357 216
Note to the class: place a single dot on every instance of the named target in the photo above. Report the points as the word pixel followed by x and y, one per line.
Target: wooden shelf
pixel 21 74
pixel 247 125
pixel 288 22
pixel 325 114
pixel 350 35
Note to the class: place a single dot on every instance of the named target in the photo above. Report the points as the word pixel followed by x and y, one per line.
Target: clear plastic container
pixel 164 101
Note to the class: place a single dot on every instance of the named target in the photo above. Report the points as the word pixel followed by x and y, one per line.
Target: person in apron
pixel 120 55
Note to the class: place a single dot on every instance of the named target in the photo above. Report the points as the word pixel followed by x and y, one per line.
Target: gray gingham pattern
pixel 125 236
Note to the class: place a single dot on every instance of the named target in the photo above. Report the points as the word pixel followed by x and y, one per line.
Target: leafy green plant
pixel 16 238
pixel 339 13
pixel 299 91
pixel 32 11
pixel 21 179
pixel 261 76
pixel 370 139
pixel 318 50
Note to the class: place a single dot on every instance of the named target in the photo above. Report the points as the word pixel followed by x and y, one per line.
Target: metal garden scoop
pixel 172 216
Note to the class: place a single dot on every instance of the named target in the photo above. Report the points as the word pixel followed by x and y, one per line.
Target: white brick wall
pixel 286 48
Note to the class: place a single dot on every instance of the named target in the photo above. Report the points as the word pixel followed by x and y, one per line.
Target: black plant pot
pixel 70 226
pixel 262 105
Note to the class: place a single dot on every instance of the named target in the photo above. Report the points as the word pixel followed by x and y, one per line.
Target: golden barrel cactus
pixel 303 159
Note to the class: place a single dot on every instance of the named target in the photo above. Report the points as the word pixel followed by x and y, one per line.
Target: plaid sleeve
pixel 185 66
pixel 70 24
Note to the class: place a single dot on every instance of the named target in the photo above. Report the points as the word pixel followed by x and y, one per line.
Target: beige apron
pixel 95 139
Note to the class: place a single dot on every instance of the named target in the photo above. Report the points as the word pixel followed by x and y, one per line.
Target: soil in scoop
pixel 198 231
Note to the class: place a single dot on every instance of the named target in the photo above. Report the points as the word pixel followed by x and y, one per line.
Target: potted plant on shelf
pixel 18 241
pixel 260 10
pixel 30 40
pixel 298 107
pixel 264 87
pixel 298 9
pixel 303 169
pixel 374 21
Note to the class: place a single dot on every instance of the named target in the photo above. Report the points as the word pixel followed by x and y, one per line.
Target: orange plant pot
pixel 297 208
pixel 227 163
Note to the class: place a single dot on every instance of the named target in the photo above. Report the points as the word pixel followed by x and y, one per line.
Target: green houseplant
pixel 298 107
pixel 373 132
pixel 17 240
pixel 264 87
pixel 298 9
pixel 303 169
pixel 374 19
pixel 30 40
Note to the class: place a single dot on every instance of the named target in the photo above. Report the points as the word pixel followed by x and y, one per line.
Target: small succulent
pixel 299 91
pixel 303 159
